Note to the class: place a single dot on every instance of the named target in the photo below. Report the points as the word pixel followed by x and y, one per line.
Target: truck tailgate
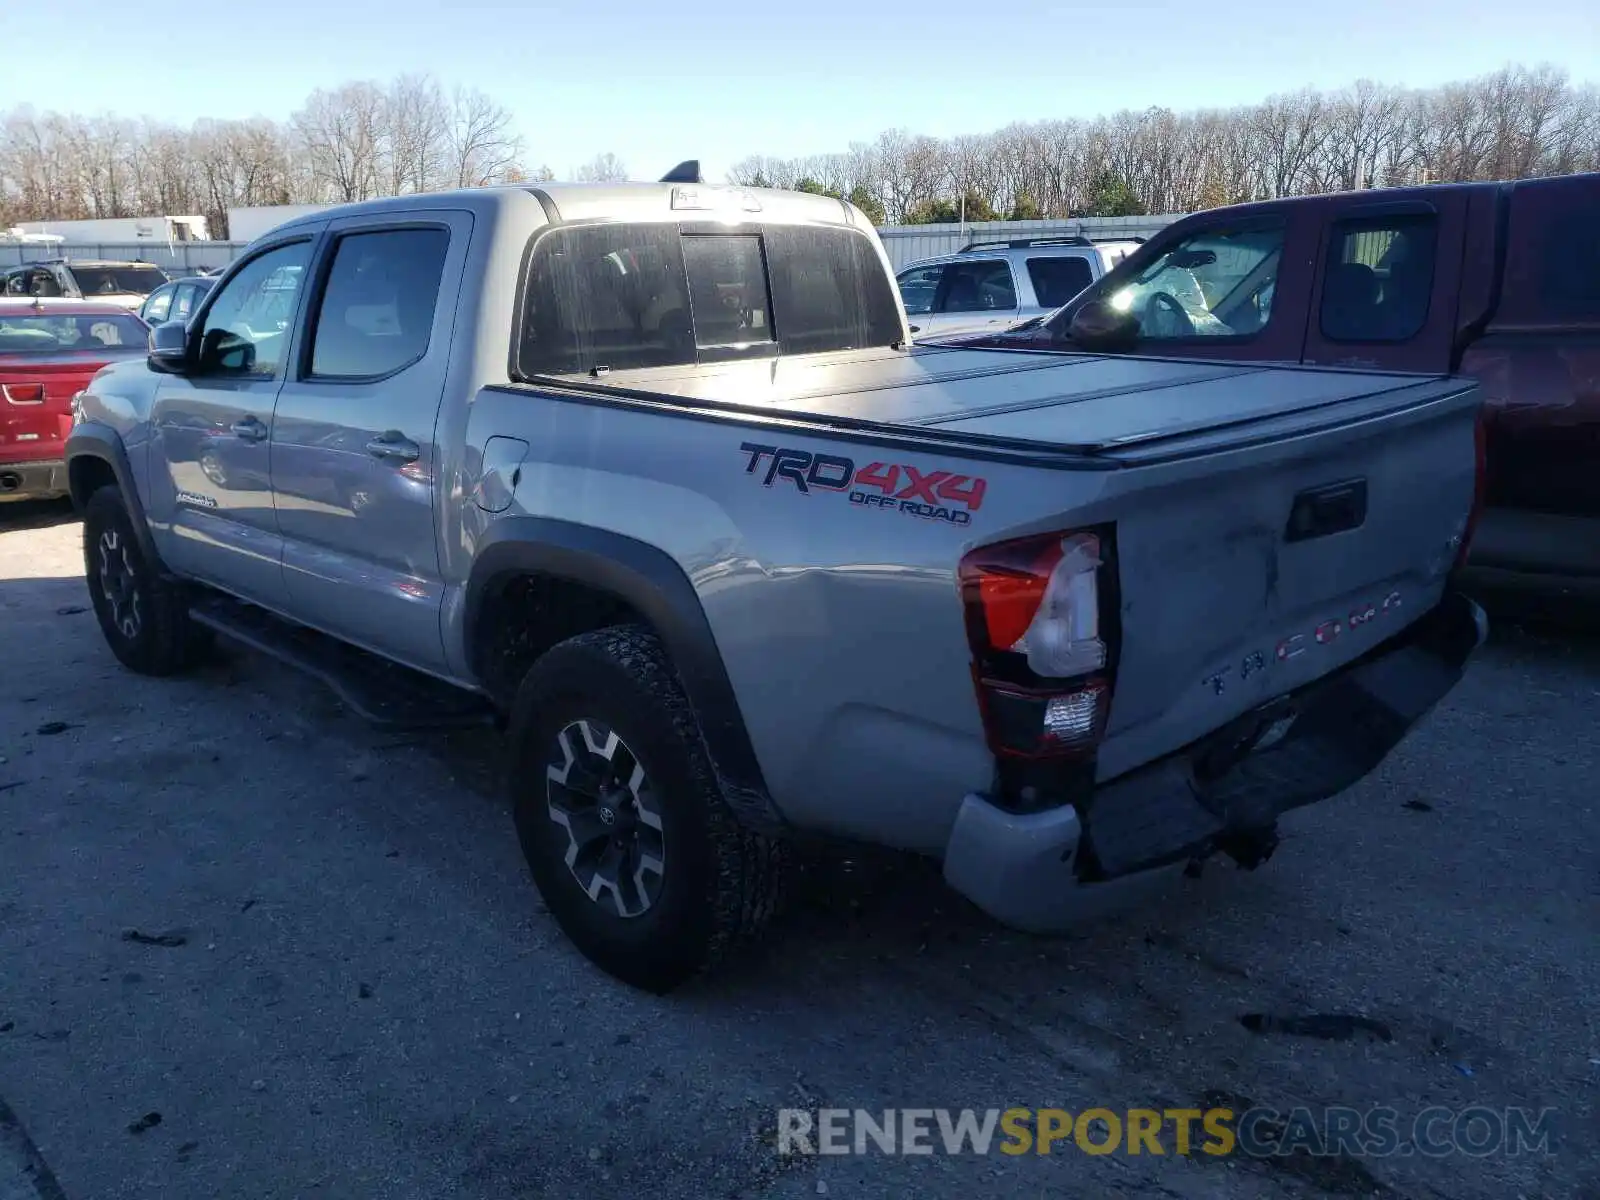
pixel 1257 556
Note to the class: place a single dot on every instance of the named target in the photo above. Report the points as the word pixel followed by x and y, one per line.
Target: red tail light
pixel 1480 487
pixel 24 393
pixel 1041 614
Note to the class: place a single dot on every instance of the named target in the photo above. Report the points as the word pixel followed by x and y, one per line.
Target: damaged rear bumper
pixel 1048 871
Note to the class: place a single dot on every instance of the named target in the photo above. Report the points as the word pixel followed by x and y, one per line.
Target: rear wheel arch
pixel 574 579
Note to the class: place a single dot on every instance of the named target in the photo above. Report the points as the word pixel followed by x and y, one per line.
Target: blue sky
pixel 654 81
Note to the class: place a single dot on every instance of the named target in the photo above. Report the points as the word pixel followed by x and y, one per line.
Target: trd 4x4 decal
pixel 893 487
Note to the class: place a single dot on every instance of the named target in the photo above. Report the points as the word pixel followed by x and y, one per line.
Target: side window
pixel 40 282
pixel 1057 280
pixel 728 290
pixel 16 284
pixel 984 286
pixel 605 296
pixel 376 313
pixel 183 298
pixel 158 306
pixel 1215 283
pixel 1379 278
pixel 917 289
pixel 246 330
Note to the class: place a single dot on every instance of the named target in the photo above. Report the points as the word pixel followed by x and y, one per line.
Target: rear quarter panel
pixel 840 624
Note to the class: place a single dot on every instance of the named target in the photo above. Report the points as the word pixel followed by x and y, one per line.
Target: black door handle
pixel 1334 508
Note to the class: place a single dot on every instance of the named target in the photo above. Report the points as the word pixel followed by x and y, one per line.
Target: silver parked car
pixel 989 285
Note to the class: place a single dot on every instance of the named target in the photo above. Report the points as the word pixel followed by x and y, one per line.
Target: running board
pixel 376 689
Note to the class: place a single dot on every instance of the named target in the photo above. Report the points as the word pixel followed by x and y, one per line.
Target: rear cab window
pixel 729 303
pixel 626 296
pixel 1379 278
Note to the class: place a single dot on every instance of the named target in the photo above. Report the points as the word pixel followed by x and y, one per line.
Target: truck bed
pixel 1076 403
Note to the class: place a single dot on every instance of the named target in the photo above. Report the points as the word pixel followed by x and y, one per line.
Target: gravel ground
pixel 365 998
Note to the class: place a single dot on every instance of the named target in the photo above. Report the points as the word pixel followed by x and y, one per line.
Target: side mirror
pixel 1098 326
pixel 169 348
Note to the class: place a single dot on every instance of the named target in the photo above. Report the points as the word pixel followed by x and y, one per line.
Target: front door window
pixel 246 330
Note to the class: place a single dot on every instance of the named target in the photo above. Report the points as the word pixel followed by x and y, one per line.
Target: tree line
pixel 1516 123
pixel 354 142
pixel 411 134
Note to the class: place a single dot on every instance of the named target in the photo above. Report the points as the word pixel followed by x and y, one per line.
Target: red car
pixel 49 350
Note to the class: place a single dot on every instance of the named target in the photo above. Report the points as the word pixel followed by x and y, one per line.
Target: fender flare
pixel 99 441
pixel 654 585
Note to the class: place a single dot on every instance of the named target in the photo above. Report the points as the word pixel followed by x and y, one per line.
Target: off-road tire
pixel 160 639
pixel 720 883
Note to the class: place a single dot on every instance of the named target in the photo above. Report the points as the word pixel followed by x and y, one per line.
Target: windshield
pixel 110 281
pixel 32 334
pixel 1217 282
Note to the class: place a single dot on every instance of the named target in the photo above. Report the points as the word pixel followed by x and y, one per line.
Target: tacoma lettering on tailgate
pixel 891 487
pixel 1297 644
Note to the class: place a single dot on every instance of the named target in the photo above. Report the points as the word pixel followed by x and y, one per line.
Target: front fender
pixel 93 448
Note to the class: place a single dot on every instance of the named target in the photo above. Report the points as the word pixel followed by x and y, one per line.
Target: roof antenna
pixel 688 171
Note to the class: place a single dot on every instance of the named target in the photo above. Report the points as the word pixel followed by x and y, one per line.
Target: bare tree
pixel 366 139
pixel 602 168
pixel 1517 123
pixel 415 135
pixel 483 144
pixel 340 133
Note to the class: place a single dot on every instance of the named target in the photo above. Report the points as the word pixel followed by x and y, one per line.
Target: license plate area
pixel 1259 729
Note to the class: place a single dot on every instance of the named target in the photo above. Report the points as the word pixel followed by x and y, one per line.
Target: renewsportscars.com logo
pixel 888 486
pixel 1260 1132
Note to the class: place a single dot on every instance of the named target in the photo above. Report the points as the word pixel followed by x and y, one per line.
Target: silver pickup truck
pixel 653 475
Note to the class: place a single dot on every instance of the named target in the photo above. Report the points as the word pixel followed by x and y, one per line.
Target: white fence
pixel 904 243
pixel 174 257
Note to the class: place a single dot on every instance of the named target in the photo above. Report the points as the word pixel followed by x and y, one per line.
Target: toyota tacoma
pixel 653 476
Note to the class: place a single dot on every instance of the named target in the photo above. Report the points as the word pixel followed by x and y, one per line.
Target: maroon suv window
pixel 1553 259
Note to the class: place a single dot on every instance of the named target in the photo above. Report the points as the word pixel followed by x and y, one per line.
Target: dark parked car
pixel 1496 280
pixel 176 300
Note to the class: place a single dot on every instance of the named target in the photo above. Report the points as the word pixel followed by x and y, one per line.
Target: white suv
pixel 990 285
